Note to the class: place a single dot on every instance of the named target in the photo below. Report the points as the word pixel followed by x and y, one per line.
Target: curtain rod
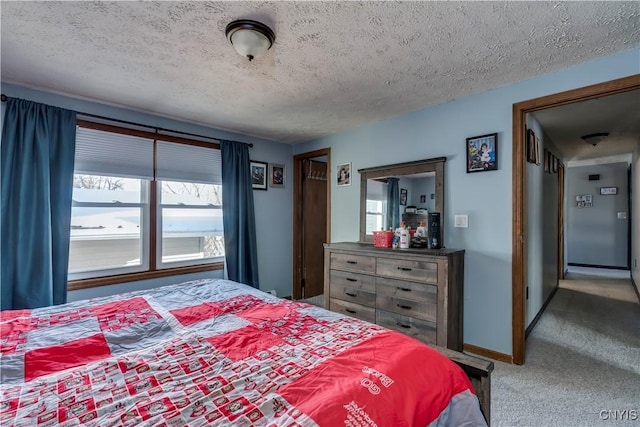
pixel 4 98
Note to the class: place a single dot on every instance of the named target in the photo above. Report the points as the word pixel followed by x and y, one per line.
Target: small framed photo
pixel 276 176
pixel 423 198
pixel 482 153
pixel 258 175
pixel 344 174
pixel 608 191
pixel 531 146
pixel 403 197
pixel 584 201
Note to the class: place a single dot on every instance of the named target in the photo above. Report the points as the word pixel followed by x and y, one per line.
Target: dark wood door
pixel 314 226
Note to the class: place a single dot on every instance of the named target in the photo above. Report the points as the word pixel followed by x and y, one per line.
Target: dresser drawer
pixel 420 309
pixel 407 290
pixel 353 287
pixel 422 330
pixel 354 310
pixel 357 263
pixel 420 271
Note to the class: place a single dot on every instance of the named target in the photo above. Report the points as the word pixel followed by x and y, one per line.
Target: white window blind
pixel 180 162
pixel 113 154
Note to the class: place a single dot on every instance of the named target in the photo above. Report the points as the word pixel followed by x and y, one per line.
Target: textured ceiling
pixel 334 65
pixel 619 115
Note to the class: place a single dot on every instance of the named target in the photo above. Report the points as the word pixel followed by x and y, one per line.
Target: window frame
pixel 171 264
pixel 155 268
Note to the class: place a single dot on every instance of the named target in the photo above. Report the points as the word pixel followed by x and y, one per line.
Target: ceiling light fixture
pixel 595 138
pixel 250 39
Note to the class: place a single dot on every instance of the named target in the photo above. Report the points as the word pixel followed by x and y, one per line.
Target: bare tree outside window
pixel 95 182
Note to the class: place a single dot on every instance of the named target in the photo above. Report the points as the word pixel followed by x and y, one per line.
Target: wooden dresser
pixel 415 291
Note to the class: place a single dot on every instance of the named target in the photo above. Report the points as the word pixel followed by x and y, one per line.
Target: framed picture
pixel 403 197
pixel 344 174
pixel 531 146
pixel 482 153
pixel 547 161
pixel 258 175
pixel 608 191
pixel 423 198
pixel 584 201
pixel 276 176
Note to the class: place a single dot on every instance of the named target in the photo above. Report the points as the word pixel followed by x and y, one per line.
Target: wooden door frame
pixel 519 209
pixel 561 174
pixel 297 212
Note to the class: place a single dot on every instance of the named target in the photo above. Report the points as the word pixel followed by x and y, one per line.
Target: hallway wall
pixel 597 235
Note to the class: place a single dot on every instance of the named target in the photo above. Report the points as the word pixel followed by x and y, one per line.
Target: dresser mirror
pixel 423 185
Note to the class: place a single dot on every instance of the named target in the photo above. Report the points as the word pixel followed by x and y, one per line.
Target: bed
pixel 215 352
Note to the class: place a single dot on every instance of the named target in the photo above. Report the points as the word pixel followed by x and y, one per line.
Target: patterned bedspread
pixel 215 352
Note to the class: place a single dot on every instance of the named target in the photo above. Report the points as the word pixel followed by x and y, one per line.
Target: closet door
pixel 314 200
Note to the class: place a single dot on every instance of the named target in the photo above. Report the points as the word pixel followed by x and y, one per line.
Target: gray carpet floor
pixel 582 364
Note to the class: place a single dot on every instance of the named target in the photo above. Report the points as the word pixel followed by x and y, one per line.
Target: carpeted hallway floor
pixel 582 364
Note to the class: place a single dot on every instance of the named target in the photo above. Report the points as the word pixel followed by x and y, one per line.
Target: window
pixel 143 207
pixel 376 206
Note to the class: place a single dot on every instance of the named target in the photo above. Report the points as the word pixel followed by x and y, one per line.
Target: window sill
pixel 74 285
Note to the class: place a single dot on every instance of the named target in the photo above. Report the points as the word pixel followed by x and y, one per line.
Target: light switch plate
pixel 461 221
pixel 622 215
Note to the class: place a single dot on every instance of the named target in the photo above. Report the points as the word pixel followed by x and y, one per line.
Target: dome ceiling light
pixel 250 39
pixel 595 138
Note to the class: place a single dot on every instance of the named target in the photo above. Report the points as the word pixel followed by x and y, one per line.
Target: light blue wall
pixel 542 227
pixel 485 197
pixel 273 207
pixel 596 235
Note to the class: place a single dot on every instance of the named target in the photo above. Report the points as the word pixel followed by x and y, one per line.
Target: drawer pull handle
pixel 403 289
pixel 351 295
pixel 406 307
pixel 350 311
pixel 351 262
pixel 349 279
pixel 402 325
pixel 404 269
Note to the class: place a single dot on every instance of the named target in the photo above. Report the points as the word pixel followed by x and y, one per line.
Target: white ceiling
pixel 619 115
pixel 334 65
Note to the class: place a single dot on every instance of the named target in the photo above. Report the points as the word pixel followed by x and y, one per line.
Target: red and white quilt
pixel 215 352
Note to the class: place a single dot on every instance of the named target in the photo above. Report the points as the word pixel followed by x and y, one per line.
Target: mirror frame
pixel 399 169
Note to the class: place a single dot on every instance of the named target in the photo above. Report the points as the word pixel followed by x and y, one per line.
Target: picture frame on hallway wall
pixel 482 153
pixel 343 176
pixel 258 175
pixel 531 147
pixel 276 176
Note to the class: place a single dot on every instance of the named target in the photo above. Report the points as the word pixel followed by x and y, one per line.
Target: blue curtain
pixel 393 204
pixel 38 147
pixel 238 214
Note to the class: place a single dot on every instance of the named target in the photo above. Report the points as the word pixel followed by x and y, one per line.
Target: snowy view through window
pixel 109 223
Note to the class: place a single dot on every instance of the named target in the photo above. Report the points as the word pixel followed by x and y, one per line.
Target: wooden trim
pixel 544 306
pixel 609 267
pixel 144 134
pixel 383 168
pixel 519 193
pixel 485 352
pixel 560 221
pixel 520 110
pixel 74 285
pixel 297 212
